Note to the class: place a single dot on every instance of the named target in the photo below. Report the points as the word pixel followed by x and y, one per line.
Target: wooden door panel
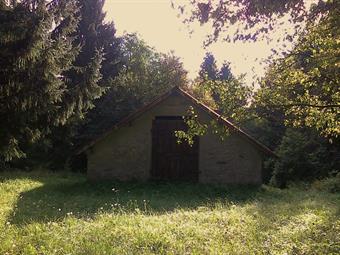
pixel 171 160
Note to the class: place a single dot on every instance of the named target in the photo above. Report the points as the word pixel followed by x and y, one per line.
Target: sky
pixel 159 25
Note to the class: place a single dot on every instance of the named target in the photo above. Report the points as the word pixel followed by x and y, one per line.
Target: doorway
pixel 172 160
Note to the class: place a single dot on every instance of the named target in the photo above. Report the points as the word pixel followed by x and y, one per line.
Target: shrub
pixel 330 184
pixel 303 156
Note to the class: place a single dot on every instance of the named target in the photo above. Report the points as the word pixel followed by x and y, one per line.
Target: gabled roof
pixel 196 102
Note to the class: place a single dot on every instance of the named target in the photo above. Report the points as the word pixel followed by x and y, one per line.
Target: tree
pixel 298 99
pixel 304 85
pixel 95 68
pixel 304 156
pixel 208 69
pixel 310 72
pixel 145 74
pixel 220 89
pixel 253 19
pixel 231 97
pixel 96 63
pixel 225 73
pixel 36 50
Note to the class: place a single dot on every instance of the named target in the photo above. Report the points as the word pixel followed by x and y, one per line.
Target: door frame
pixel 151 171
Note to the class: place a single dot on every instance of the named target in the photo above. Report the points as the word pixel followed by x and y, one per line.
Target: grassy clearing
pixel 44 213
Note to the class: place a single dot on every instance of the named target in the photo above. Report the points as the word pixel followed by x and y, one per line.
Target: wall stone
pixel 125 154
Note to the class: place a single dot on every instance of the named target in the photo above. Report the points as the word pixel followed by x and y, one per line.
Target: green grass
pixel 46 213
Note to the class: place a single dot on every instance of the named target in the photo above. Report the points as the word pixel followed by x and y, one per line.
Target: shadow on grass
pixel 59 197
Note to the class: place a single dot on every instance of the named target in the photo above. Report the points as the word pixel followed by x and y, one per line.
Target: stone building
pixel 143 146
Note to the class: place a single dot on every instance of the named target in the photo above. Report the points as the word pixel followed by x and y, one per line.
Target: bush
pixel 330 184
pixel 303 156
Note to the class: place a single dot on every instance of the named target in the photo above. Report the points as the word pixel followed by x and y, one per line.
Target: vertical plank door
pixel 172 160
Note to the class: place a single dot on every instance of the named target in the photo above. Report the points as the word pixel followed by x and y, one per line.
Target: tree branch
pixel 307 105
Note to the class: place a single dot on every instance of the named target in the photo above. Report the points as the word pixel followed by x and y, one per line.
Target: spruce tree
pixel 51 71
pixel 225 73
pixel 95 67
pixel 96 34
pixel 219 87
pixel 85 75
pixel 208 69
pixel 36 49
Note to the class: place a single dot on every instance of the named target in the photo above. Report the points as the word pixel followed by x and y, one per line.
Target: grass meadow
pixel 62 213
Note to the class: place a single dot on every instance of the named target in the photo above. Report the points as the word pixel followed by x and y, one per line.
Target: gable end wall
pixel 125 154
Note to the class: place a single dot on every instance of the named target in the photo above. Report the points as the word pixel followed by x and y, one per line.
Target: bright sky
pixel 158 24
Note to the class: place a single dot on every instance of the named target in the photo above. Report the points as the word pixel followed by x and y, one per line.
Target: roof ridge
pixel 228 122
pixel 160 99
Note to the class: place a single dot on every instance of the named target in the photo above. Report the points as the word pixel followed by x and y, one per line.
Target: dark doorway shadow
pixel 54 200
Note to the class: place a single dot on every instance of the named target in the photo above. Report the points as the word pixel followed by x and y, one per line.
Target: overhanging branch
pixel 307 105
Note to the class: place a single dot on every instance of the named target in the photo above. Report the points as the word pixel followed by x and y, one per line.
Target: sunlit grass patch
pixel 64 214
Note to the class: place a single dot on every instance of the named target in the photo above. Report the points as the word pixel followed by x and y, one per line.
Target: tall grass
pixel 46 213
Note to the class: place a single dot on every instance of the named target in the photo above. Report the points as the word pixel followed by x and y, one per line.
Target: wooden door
pixel 171 160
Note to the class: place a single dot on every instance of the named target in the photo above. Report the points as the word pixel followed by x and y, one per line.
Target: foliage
pixel 233 97
pixel 96 66
pixel 195 128
pixel 145 74
pixel 36 49
pixel 303 156
pixel 222 91
pixel 148 73
pixel 330 184
pixel 301 92
pixel 98 41
pixel 59 214
pixel 266 127
pixel 208 69
pixel 225 73
pixel 305 84
pixel 229 94
pixel 83 78
pixel 253 19
pixel 230 97
pixel 85 75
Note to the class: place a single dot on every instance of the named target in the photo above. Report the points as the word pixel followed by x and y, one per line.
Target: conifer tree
pixel 220 89
pixel 95 67
pixel 225 73
pixel 51 55
pixel 85 76
pixel 208 69
pixel 36 49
